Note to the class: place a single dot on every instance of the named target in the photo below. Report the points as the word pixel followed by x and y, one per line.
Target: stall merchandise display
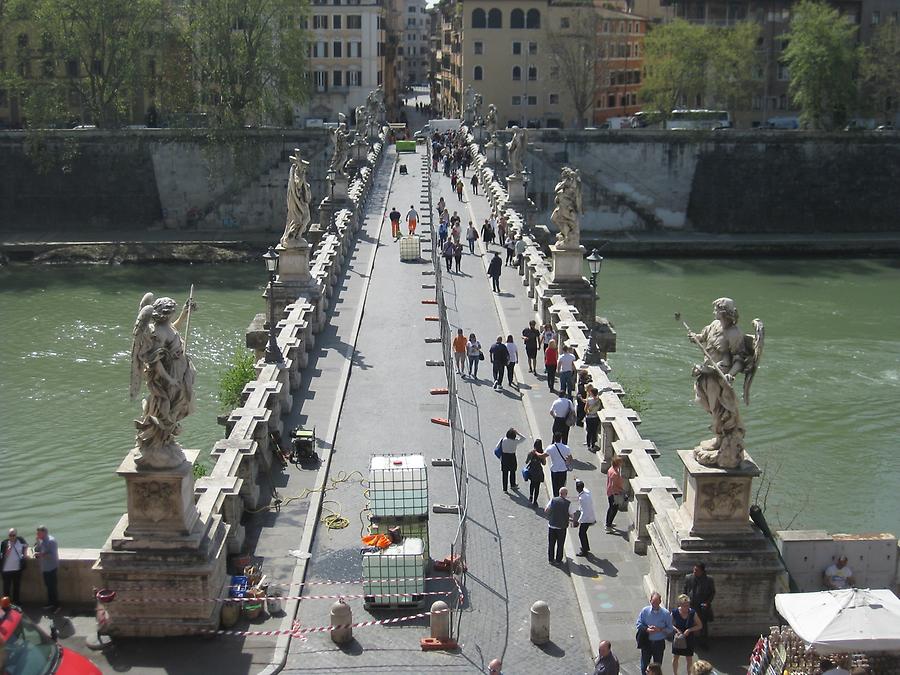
pixel 784 653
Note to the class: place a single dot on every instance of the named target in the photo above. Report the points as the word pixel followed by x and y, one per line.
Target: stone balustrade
pixel 652 491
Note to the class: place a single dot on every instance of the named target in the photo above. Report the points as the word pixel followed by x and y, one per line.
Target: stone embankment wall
pixel 73 181
pixel 731 182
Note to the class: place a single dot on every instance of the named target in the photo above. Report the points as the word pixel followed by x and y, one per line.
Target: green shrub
pixel 635 394
pixel 236 378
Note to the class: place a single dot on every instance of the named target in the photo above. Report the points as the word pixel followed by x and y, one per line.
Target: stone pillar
pixel 540 623
pixel 515 188
pixel 569 281
pixel 341 617
pixel 440 621
pixel 294 281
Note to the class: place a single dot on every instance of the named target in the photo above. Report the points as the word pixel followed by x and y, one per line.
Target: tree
pixel 822 59
pixel 248 57
pixel 880 69
pixel 686 62
pixel 573 52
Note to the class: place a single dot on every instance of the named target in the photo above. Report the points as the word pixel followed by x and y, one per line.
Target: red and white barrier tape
pixel 251 599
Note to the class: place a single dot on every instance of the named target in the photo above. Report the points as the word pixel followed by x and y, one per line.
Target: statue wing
pixel 754 345
pixel 140 336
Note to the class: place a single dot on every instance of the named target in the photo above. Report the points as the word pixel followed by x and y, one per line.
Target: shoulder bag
pixel 571 416
pixel 498 451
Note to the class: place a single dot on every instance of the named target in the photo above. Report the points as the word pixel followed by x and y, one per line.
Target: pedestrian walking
pixel 615 491
pixel 560 462
pixel 493 272
pixel 550 360
pixel 499 358
pixel 508 463
pixel 592 406
pixel 453 181
pixel 457 256
pixel 530 337
pixel 534 463
pixel 513 360
pixel 607 663
pixel 459 190
pixel 510 245
pixel 587 516
pixel 443 233
pixel 474 182
pixel 394 215
pixel 687 626
pixel 562 410
pixel 557 510
pixel 412 218
pixel 584 379
pixel 548 335
pixel 471 237
pixel 13 554
pixel 520 251
pixel 654 625
pixel 441 206
pixel 47 553
pixel 487 233
pixel 434 162
pixel 501 230
pixel 473 350
pixel 448 251
pixel 701 589
pixel 565 364
pixel 459 352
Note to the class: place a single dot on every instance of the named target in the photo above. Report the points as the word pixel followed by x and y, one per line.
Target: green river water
pixel 823 419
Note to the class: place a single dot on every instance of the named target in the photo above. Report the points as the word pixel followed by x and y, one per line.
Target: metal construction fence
pixel 457 428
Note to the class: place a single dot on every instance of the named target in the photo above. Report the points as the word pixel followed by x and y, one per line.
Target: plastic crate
pixel 239 585
pixel 398 487
pixel 395 576
pixel 410 248
pixel 406 146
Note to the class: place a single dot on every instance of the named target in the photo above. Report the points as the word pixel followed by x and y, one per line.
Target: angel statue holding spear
pixel 728 352
pixel 159 358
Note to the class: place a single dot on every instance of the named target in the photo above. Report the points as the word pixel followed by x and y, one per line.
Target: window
pixel 320 21
pixel 756 103
pixel 532 100
pixel 354 78
pixel 532 73
pixel 533 19
pixel 320 50
pixel 517 73
pixel 495 19
pixel 96 67
pixel 380 75
pixel 411 10
pixel 554 99
pixel 611 101
pixel 22 40
pixel 876 18
pixel 354 49
pixel 410 23
pixel 564 22
pixel 782 102
pixel 554 72
pixel 380 51
pixel 354 21
pixel 47 42
pixel 532 48
pixel 517 47
pixel 336 21
pixel 478 73
pixel 606 26
pixel 71 68
pixel 336 49
pixel 320 77
pixel 3 99
pixel 48 68
pixel 517 19
pixel 479 19
pixel 783 72
pixel 337 78
pixel 517 100
pixel 479 47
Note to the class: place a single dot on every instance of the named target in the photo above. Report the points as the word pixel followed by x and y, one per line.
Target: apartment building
pixel 414 48
pixel 620 63
pixel 346 57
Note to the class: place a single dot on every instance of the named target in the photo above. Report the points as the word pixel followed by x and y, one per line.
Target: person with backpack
pixel 534 465
pixel 508 463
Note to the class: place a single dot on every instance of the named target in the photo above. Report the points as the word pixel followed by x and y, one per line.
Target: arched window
pixel 478 19
pixel 517 19
pixel 495 19
pixel 533 19
pixel 532 73
pixel 517 73
pixel 478 74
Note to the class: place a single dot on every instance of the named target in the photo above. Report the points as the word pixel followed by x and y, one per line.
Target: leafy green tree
pixel 573 51
pixel 822 58
pixel 685 62
pixel 880 69
pixel 248 57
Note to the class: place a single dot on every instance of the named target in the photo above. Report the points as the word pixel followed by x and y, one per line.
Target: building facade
pixel 415 45
pixel 620 64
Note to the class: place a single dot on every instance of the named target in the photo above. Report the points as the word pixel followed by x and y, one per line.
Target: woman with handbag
pixel 615 491
pixel 591 416
pixel 508 464
pixel 687 625
pixel 473 351
pixel 534 465
pixel 550 356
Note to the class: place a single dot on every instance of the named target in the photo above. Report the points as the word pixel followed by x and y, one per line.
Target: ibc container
pixel 396 569
pixel 410 248
pixel 398 487
pixel 408 528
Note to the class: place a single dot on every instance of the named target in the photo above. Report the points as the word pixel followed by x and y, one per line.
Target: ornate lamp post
pixel 273 353
pixel 595 262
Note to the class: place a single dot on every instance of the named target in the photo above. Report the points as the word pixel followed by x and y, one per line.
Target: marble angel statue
pixel 568 208
pixel 298 198
pixel 515 150
pixel 159 359
pixel 341 146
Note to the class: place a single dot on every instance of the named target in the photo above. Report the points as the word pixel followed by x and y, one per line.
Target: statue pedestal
pixel 515 188
pixel 568 264
pixel 293 261
pixel 163 548
pixel 713 526
pixel 294 282
pixel 568 281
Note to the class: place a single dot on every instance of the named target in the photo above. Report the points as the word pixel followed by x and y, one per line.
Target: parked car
pixel 25 649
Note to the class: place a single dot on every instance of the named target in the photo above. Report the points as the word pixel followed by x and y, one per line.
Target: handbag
pixel 481 356
pixel 641 637
pixel 620 499
pixel 498 451
pixel 571 418
pixel 679 642
pixel 526 475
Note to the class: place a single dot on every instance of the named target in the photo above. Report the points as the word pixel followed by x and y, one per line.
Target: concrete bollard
pixel 540 623
pixel 440 621
pixel 341 615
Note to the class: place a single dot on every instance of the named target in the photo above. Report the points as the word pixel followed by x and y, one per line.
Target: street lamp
pixel 595 262
pixel 273 353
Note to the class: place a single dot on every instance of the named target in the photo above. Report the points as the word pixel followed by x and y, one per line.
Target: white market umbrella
pixel 848 620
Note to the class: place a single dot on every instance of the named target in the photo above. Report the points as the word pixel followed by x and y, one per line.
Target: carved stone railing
pixel 244 455
pixel 653 492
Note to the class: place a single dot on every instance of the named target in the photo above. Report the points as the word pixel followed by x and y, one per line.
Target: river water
pixel 823 419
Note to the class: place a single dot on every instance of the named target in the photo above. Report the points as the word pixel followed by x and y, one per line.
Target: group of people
pixel 412 221
pixel 15 555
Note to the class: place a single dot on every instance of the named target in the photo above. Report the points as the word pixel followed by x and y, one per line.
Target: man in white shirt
pixel 513 360
pixel 565 367
pixel 412 218
pixel 559 411
pixel 587 517
pixel 559 467
pixel 838 575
